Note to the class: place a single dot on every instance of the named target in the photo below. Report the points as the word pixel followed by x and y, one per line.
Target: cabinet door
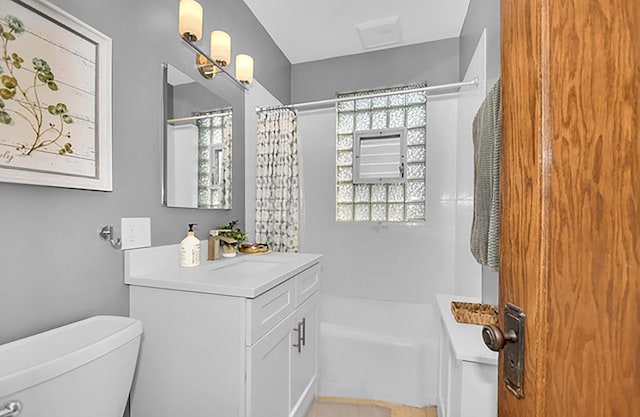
pixel 304 363
pixel 268 370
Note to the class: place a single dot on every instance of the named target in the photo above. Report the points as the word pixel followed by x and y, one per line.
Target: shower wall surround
pixel 50 285
pixel 389 262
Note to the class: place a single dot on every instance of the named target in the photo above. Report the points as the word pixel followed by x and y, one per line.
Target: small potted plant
pixel 235 238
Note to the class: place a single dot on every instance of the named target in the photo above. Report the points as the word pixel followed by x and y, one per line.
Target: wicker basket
pixel 474 313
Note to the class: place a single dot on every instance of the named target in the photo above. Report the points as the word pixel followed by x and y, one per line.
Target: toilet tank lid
pixel 30 361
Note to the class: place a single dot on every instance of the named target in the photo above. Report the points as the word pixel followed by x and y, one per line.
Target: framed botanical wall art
pixel 55 98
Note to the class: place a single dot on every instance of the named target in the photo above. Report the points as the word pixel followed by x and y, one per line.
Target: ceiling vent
pixel 379 33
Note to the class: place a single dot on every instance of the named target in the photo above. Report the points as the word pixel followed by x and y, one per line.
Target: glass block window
pixel 214 156
pixel 382 202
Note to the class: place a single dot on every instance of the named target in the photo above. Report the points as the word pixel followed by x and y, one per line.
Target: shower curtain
pixel 277 180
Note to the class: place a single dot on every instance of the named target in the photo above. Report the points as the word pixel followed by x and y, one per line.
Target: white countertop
pixel 466 339
pixel 242 276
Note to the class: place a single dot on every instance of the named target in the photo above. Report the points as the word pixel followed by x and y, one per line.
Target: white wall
pixel 182 166
pixel 468 274
pixel 258 96
pixel 393 262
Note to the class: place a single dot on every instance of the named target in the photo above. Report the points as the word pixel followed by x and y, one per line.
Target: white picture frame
pixel 61 136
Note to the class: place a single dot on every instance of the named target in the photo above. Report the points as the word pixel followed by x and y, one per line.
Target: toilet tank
pixel 84 369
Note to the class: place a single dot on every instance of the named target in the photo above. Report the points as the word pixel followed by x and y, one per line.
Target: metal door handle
pixel 495 339
pixel 11 409
pixel 295 345
pixel 304 331
pixel 512 341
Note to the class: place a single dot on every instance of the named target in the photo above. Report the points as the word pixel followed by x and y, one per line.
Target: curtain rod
pixel 473 82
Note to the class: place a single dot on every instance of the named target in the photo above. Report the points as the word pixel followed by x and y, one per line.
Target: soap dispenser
pixel 190 249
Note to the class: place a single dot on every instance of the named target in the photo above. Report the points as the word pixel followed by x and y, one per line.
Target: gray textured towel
pixel 487 141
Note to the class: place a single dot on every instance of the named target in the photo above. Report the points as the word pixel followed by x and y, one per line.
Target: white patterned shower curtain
pixel 277 180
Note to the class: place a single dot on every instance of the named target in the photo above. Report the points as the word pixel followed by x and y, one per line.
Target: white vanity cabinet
pixel 291 346
pixel 468 374
pixel 227 345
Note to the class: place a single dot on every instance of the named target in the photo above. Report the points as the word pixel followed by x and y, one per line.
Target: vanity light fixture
pixel 190 28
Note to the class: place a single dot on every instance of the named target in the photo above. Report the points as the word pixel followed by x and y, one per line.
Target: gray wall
pixel 482 14
pixel 432 62
pixel 53 268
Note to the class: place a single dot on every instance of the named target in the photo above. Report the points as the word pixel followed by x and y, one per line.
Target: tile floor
pixel 325 409
pixel 397 410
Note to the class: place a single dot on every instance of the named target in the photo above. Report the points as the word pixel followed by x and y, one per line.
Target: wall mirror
pixel 197 144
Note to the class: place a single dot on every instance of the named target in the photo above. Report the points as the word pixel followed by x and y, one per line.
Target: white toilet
pixel 79 370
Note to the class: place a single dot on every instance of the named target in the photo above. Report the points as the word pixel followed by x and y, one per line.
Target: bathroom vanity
pixel 233 337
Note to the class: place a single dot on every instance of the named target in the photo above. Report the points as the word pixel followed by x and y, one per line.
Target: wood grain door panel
pixel 570 238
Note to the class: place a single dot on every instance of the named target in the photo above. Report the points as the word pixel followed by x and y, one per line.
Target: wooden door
pixel 570 238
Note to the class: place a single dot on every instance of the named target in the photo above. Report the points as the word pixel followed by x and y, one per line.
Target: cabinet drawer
pixel 307 282
pixel 267 310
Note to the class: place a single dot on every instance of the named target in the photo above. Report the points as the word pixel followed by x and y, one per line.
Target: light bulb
pixel 244 68
pixel 221 47
pixel 190 20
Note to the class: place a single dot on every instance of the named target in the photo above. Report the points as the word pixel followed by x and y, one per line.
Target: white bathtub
pixel 378 350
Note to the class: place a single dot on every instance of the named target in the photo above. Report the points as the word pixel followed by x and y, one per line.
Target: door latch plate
pixel 513 366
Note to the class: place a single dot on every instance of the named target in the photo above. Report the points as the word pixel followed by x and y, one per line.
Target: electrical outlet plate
pixel 136 232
